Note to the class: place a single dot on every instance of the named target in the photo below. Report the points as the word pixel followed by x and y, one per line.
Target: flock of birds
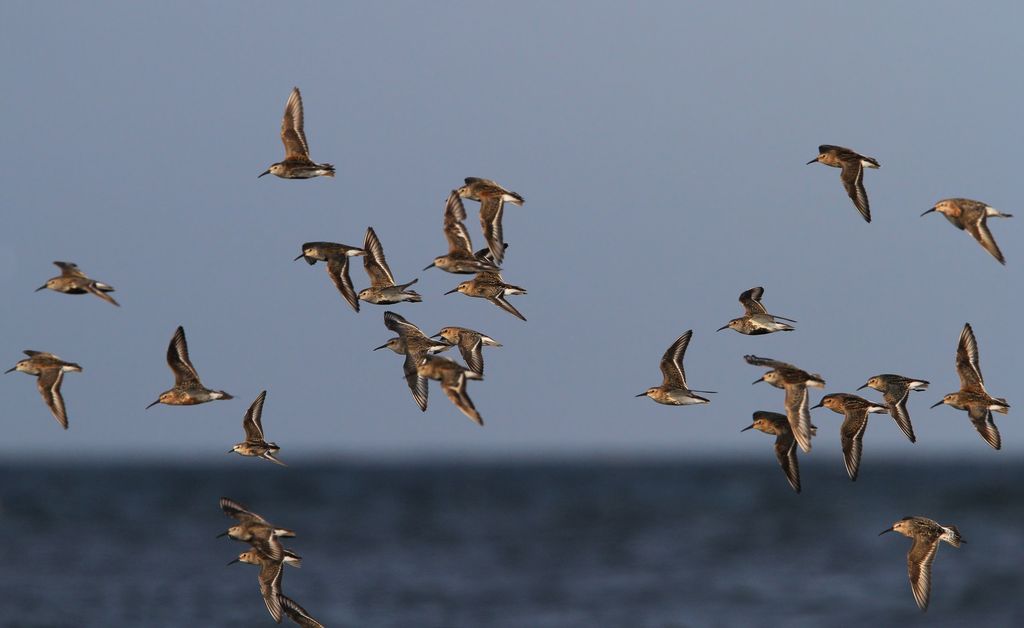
pixel 421 363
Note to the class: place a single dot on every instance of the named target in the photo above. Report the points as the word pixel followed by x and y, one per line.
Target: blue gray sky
pixel 660 149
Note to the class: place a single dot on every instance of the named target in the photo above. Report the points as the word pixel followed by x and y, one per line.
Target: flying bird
pixel 382 290
pixel 926 534
pixel 460 258
pixel 254 443
pixel 187 390
pixel 895 390
pixel 469 343
pixel 296 164
pixel 491 286
pixel 756 320
pixel 414 345
pixel 492 198
pixel 852 175
pixel 452 377
pixel 73 281
pixel 673 390
pixel 336 255
pixel 972 217
pixel 785 445
pixel 49 371
pixel 257 532
pixel 795 382
pixel 855 411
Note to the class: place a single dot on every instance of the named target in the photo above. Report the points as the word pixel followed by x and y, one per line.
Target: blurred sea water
pixel 531 545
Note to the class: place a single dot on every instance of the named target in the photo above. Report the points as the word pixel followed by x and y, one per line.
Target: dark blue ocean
pixel 528 545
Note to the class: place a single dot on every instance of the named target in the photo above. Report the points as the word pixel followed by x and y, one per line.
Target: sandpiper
pixel 49 371
pixel 673 390
pixel 73 281
pixel 926 534
pixel 491 286
pixel 298 614
pixel 254 443
pixel 795 382
pixel 470 344
pixel 855 411
pixel 413 344
pixel 336 255
pixel 492 198
pixel 257 531
pixel 972 216
pixel 296 164
pixel 785 444
pixel 460 259
pixel 382 290
pixel 895 390
pixel 188 390
pixel 452 377
pixel 852 176
pixel 270 579
pixel 972 395
pixel 756 320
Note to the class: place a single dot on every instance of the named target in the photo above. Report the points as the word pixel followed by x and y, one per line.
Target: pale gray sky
pixel 660 148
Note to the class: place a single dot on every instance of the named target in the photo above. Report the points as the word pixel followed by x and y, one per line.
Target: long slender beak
pixel 812 161
pixel 705 392
pixel 13 368
pixel 266 172
pixel 863 387
pixel 152 404
pixel 429 267
pixel 437 335
pixel 820 405
pixel 232 562
pixel 929 211
pixel 222 534
pixel 231 450
pixel 722 327
pixel 42 287
pixel 452 290
pixel 643 394
pixel 749 427
pixel 757 381
pixel 301 255
pixel 939 404
pixel 383 346
pixel 884 531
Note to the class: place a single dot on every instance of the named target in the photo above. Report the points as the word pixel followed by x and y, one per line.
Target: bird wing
pixel 69 269
pixel 501 302
pixel 298 614
pixel 235 510
pixel 672 362
pixel 979 230
pixel 798 414
pixel 775 364
pixel 292 134
pixel 919 568
pixel 337 270
pixel 417 383
pixel 967 366
pixel 852 176
pixel 252 422
pixel 895 396
pixel 178 360
pixel 402 327
pixel 374 262
pixel 48 384
pixel 453 383
pixel 981 419
pixel 491 210
pixel 852 436
pixel 751 300
pixel 470 346
pixel 785 451
pixel 91 288
pixel 270 586
pixel 454 229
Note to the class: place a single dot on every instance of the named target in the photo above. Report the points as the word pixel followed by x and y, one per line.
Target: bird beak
pixel 152 404
pixel 429 267
pixel 643 394
pixel 820 405
pixel 266 172
pixel 13 368
pixel 756 381
pixel 231 450
pixel 222 534
pixel 235 560
pixel 812 161
pixel 383 346
pixel 301 255
pixel 939 403
pixel 42 287
pixel 749 427
pixel 929 211
pixel 886 530
pixel 452 290
pixel 722 327
pixel 437 335
pixel 863 387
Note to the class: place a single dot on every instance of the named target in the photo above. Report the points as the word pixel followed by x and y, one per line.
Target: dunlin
pixel 73 281
pixel 254 443
pixel 756 320
pixel 491 286
pixel 188 390
pixel 492 198
pixel 972 395
pixel 270 579
pixel 895 390
pixel 673 390
pixel 336 255
pixel 298 614
pixel 795 382
pixel 413 344
pixel 785 444
pixel 49 371
pixel 296 164
pixel 852 176
pixel 855 411
pixel 452 377
pixel 382 290
pixel 972 217
pixel 926 534
pixel 460 259
pixel 257 531
pixel 470 344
